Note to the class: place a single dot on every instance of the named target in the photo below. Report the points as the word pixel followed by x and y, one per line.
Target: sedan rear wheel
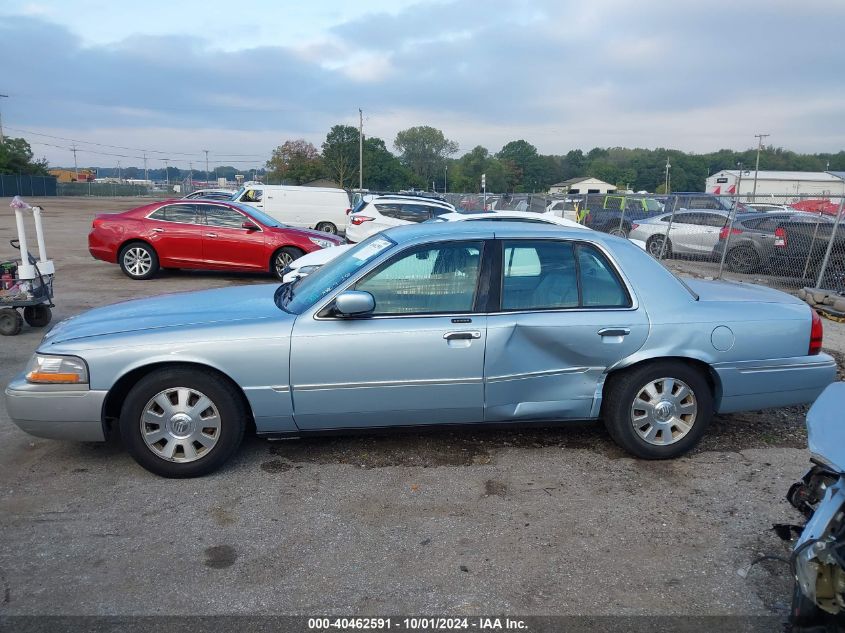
pixel 282 258
pixel 743 259
pixel 659 410
pixel 182 422
pixel 138 260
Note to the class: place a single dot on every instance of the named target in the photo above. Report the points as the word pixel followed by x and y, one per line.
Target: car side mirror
pixel 249 226
pixel 354 303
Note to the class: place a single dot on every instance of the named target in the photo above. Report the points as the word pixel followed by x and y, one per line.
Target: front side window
pixel 434 279
pixel 182 213
pixel 223 217
pixel 251 195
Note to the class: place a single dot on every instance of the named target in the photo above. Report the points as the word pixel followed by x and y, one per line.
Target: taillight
pixel 634 225
pixel 358 220
pixel 97 223
pixel 816 334
pixel 723 234
pixel 780 237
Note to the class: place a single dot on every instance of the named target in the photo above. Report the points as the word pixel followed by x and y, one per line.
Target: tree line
pixel 425 157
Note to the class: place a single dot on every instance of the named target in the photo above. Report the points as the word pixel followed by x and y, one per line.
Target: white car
pixel 210 194
pixel 512 216
pixel 307 264
pixel 382 212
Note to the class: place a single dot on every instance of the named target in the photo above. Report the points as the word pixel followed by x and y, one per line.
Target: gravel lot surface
pixel 533 521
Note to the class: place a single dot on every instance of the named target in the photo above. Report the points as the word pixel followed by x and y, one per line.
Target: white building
pixel 782 184
pixel 582 185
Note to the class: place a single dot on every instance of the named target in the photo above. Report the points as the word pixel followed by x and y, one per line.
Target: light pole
pixel 760 138
pixel 1 119
pixel 666 181
pixel 206 167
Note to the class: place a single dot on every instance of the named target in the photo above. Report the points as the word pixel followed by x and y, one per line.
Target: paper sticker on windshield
pixel 372 249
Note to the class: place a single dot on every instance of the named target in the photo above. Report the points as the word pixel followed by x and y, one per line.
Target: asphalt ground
pixel 539 521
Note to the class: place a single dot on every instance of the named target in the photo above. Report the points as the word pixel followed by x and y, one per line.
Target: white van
pixel 321 208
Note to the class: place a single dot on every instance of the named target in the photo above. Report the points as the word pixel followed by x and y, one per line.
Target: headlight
pixel 321 243
pixel 44 369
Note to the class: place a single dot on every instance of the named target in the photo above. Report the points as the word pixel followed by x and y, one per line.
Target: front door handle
pixel 462 336
pixel 158 230
pixel 211 234
pixel 614 331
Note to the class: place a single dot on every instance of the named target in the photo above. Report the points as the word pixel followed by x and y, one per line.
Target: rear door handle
pixel 157 230
pixel 211 234
pixel 614 331
pixel 462 336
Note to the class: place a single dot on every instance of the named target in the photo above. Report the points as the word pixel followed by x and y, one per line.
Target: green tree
pixel 295 162
pixel 382 170
pixel 340 155
pixel 424 151
pixel 16 157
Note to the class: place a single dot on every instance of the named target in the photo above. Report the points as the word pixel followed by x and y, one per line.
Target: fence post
pixel 668 229
pixel 812 246
pixel 826 259
pixel 731 216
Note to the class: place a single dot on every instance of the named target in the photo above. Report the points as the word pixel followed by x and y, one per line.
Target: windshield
pixel 265 219
pixel 298 296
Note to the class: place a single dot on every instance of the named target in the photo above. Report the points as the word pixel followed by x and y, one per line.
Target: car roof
pixel 414 199
pixel 528 215
pixel 481 229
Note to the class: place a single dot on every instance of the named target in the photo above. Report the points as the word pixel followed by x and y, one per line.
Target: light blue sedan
pixel 452 323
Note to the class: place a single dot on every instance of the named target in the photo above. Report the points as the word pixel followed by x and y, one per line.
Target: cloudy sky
pixel 176 78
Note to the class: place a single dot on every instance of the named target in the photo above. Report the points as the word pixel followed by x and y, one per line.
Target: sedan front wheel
pixel 182 422
pixel 282 258
pixel 659 410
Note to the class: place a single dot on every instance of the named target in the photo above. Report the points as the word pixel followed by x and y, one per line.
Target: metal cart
pixel 33 296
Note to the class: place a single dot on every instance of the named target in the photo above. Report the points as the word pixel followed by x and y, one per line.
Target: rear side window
pixel 182 213
pixel 600 285
pixel 407 212
pixel 548 275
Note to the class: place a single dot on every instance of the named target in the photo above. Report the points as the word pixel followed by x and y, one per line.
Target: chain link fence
pixel 787 242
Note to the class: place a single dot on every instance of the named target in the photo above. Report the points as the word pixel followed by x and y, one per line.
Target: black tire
pixel 621 392
pixel 131 257
pixel 282 258
pixel 327 227
pixel 10 322
pixel 743 259
pixel 37 316
pixel 652 246
pixel 230 415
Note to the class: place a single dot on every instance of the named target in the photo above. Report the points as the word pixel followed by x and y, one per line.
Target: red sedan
pixel 200 234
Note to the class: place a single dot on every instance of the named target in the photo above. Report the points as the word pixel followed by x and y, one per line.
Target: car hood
pixel 228 305
pixel 737 291
pixel 320 257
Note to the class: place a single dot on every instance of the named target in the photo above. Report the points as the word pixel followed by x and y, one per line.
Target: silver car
pixel 438 323
pixel 690 233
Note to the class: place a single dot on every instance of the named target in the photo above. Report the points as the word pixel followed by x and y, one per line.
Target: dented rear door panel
pixel 548 364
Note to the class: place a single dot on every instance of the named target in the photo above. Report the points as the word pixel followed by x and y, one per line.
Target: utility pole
pixel 146 175
pixel 119 173
pixel 191 174
pixel 760 138
pixel 75 167
pixel 1 119
pixel 666 181
pixel 206 167
pixel 360 148
pixel 167 172
pixel 739 180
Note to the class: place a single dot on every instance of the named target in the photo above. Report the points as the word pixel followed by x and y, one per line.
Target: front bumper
pixel 61 412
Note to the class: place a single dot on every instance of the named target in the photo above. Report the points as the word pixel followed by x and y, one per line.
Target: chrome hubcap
pixel 180 424
pixel 137 261
pixel 654 246
pixel 664 411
